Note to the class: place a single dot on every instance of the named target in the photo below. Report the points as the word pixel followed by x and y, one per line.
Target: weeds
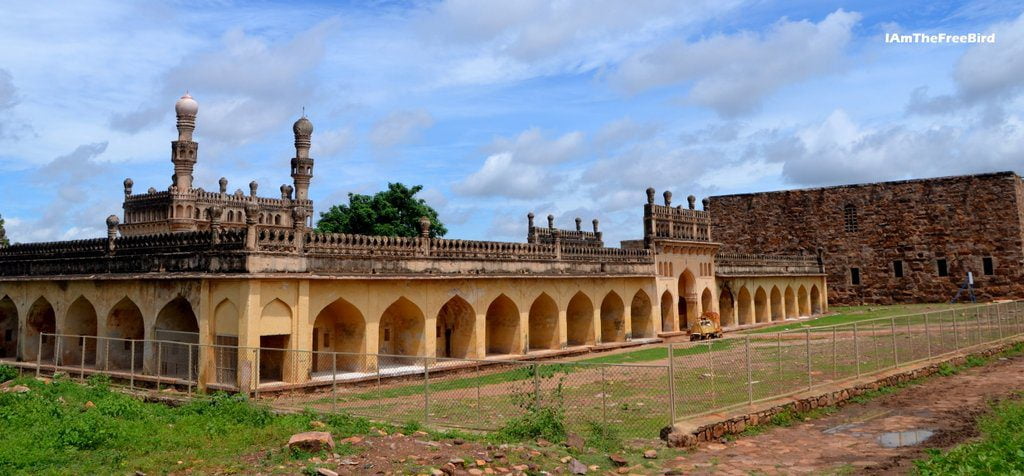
pixel 999 451
pixel 7 373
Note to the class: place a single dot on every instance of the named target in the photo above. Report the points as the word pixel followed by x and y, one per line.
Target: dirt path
pixel 863 438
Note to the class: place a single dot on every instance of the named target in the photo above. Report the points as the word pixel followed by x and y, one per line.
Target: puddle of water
pixel 840 428
pixel 896 439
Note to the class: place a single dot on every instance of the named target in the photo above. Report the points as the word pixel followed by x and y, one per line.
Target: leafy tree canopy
pixel 3 233
pixel 392 212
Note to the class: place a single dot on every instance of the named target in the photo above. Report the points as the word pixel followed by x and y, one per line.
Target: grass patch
pixel 52 429
pixel 849 314
pixel 1000 451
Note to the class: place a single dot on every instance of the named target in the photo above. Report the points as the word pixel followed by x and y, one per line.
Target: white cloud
pixel 531 147
pixel 502 175
pixel 733 73
pixel 332 142
pixel 400 128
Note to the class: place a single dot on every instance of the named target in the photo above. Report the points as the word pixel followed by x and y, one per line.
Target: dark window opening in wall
pixel 897 268
pixel 940 265
pixel 8 335
pixel 855 276
pixel 987 266
pixel 850 218
pixel 327 339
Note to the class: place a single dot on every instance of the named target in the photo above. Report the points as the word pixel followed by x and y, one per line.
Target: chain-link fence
pixel 633 394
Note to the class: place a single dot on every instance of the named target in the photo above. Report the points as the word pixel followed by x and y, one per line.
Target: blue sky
pixel 569 107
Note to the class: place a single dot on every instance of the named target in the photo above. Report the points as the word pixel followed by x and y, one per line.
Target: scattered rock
pixel 520 467
pixel 480 462
pixel 89 404
pixel 325 472
pixel 574 441
pixel 566 459
pixel 476 472
pixel 575 467
pixel 353 440
pixel 348 462
pixel 650 454
pixel 618 459
pixel 457 462
pixel 311 441
pixel 140 473
pixel 317 424
pixel 543 443
pixel 448 469
pixel 379 432
pixel 458 441
pixel 419 434
pixel 436 472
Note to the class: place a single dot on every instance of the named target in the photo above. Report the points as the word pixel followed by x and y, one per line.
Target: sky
pixel 499 108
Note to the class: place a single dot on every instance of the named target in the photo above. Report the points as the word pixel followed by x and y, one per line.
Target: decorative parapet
pixel 550 234
pixel 675 223
pixel 748 264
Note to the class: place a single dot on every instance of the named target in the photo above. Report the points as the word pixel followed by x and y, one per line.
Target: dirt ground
pixel 851 439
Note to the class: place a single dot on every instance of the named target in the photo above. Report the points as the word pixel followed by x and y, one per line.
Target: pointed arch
pixel 80 326
pixel 706 300
pixel 761 311
pixel 745 307
pixel 726 307
pixel 276 319
pixel 8 328
pixel 666 311
pixel 640 316
pixel 815 299
pixel 687 299
pixel 613 318
pixel 176 326
pixel 40 319
pixel 401 331
pixel 803 301
pixel 790 297
pixel 341 328
pixel 579 320
pixel 775 300
pixel 124 324
pixel 455 329
pixel 543 323
pixel 502 327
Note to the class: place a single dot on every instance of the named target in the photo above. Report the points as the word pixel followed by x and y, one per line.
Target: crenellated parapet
pixel 665 222
pixel 550 234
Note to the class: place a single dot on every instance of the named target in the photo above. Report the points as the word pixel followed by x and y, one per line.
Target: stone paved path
pixel 850 440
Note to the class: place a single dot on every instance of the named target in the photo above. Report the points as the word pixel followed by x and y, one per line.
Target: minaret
pixel 184 150
pixel 302 164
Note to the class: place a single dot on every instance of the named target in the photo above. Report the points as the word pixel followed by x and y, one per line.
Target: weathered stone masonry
pixel 879 227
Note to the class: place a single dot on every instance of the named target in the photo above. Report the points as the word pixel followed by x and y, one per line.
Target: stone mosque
pixel 215 286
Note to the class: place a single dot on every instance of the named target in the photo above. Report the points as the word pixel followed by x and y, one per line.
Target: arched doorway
pixel 175 329
pixel 401 333
pixel 8 329
pixel 776 304
pixel 275 340
pixel 791 309
pixel 40 320
pixel 613 318
pixel 725 308
pixel 745 307
pixel 124 325
pixel 804 301
pixel 640 316
pixel 687 299
pixel 78 343
pixel 543 321
pixel 503 327
pixel 579 317
pixel 455 329
pixel 815 300
pixel 666 312
pixel 761 312
pixel 225 337
pixel 339 332
pixel 705 300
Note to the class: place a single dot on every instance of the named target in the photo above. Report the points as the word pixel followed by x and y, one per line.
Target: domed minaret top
pixel 186 109
pixel 302 164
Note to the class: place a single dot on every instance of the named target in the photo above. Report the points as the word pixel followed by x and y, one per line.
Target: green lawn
pixel 848 314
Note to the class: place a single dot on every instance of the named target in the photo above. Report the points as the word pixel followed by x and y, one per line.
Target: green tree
pixel 392 212
pixel 3 233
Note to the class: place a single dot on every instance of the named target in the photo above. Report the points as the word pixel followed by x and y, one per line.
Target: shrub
pixel 603 437
pixel 543 422
pixel 7 373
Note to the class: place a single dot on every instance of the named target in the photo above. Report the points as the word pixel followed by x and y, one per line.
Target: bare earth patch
pixel 882 436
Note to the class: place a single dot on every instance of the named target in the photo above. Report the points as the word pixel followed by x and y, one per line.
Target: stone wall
pixel 959 219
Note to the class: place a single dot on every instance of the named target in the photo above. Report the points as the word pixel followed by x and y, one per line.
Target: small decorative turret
pixel 302 164
pixel 705 204
pixel 128 182
pixel 668 198
pixel 251 213
pixel 252 188
pixel 112 223
pixel 596 224
pixel 424 227
pixel 650 195
pixel 551 222
pixel 184 151
pixel 529 219
pixel 223 185
pixel 579 223
pixel 691 201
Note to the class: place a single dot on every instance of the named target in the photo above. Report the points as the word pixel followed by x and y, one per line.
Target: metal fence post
pixel 188 349
pixel 807 347
pixel 479 410
pixel 778 352
pixel 895 353
pixel 604 397
pixel 977 319
pixel 856 348
pixel 999 320
pixel 956 334
pixel 56 352
pixel 536 384
pixel 426 392
pixel 159 363
pixel 131 374
pixel 81 365
pixel 835 355
pixel 750 377
pixel 256 374
pixel 334 382
pixel 927 336
pixel 711 367
pixel 106 354
pixel 671 388
pixel 39 355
